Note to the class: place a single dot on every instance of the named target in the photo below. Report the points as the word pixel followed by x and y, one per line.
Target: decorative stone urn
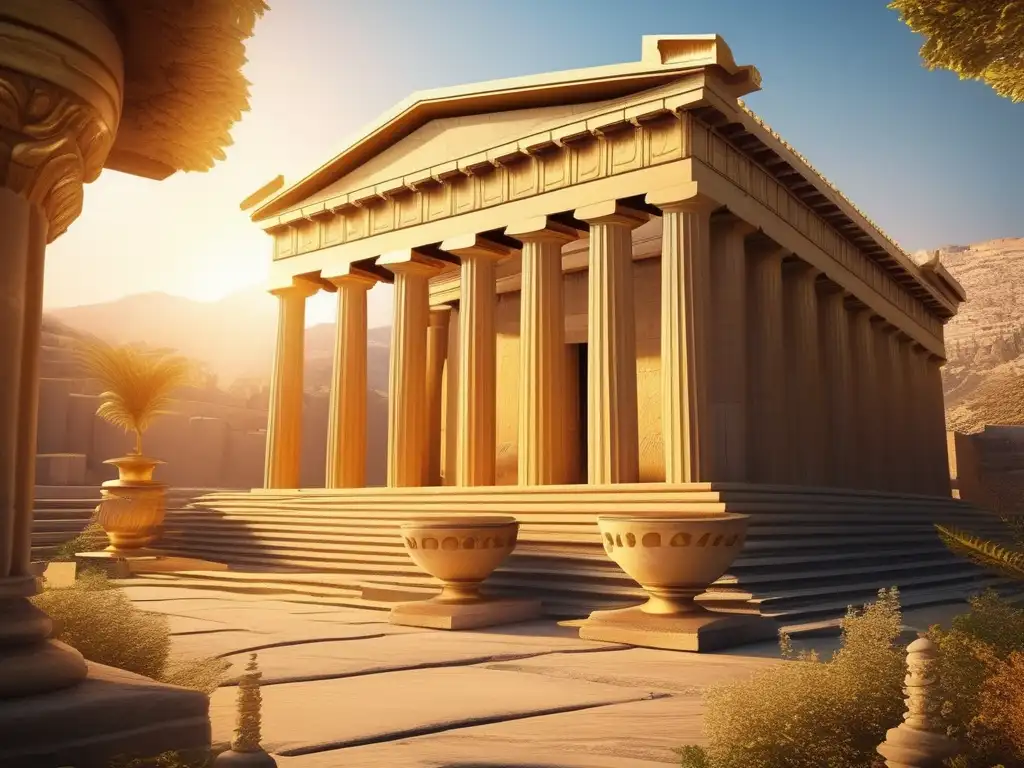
pixel 132 507
pixel 461 552
pixel 674 556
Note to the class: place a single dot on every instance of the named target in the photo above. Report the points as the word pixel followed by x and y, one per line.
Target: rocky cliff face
pixel 985 341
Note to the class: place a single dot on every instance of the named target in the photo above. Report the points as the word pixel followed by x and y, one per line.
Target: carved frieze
pixel 51 143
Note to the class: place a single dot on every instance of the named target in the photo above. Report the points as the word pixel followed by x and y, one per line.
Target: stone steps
pixel 810 552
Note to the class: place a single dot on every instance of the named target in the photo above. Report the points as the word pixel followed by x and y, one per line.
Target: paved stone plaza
pixel 532 695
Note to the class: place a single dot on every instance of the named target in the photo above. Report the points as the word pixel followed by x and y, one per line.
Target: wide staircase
pixel 809 553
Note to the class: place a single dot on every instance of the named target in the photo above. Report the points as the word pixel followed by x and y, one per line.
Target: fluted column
pixel 407 393
pixel 437 355
pixel 543 397
pixel 477 398
pixel 346 420
pixel 728 350
pixel 284 420
pixel 936 410
pixel 869 450
pixel 613 451
pixel 896 413
pixel 804 403
pixel 767 430
pixel 838 385
pixel 685 294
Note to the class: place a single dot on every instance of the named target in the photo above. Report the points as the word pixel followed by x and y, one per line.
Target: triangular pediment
pixel 432 127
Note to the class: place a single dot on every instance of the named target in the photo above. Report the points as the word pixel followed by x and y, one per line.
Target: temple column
pixel 437 354
pixel 477 399
pixel 284 420
pixel 866 400
pixel 767 428
pixel 346 421
pixel 543 395
pixel 613 450
pixel 685 285
pixel 728 356
pixel 451 398
pixel 838 385
pixel 804 403
pixel 407 393
pixel 896 413
pixel 936 420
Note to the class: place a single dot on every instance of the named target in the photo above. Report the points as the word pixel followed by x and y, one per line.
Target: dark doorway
pixel 581 410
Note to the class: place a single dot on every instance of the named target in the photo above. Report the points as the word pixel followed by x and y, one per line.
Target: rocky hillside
pixel 985 342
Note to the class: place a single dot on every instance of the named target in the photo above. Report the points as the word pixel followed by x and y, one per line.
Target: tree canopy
pixel 977 39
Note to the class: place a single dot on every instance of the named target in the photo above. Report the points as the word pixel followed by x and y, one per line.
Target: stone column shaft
pixel 543 398
pixel 728 352
pixel 407 394
pixel 477 398
pixel 804 402
pixel 685 286
pixel 437 355
pixel 936 422
pixel 284 420
pixel 613 449
pixel 896 414
pixel 766 429
pixel 346 425
pixel 838 384
pixel 870 451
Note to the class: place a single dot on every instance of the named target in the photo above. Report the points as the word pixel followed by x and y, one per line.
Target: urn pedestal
pixel 674 557
pixel 462 552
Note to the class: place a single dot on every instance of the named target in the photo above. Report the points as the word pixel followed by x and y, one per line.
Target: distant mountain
pixel 234 337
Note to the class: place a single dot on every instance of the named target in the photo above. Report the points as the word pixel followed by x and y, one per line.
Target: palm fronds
pixel 137 383
pixel 985 553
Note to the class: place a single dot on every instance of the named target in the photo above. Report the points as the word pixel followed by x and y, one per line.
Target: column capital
pixel 800 268
pixel 440 316
pixel 476 247
pixel 542 229
pixel 828 288
pixel 683 197
pixel 300 287
pixel 410 261
pixel 611 212
pixel 352 277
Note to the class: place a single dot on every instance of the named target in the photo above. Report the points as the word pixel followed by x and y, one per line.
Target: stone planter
pixel 674 556
pixel 132 507
pixel 461 552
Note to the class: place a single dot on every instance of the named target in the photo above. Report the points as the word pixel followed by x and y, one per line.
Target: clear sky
pixel 932 159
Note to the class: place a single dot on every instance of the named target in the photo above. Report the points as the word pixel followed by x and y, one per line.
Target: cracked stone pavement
pixel 341 686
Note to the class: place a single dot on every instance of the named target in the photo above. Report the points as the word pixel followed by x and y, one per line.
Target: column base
pixel 471 614
pixel 110 714
pixel 697 632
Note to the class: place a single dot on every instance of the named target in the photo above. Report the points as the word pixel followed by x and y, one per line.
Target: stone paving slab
pixel 410 650
pixel 333 714
pixel 642 734
pixel 645 668
pixel 235 641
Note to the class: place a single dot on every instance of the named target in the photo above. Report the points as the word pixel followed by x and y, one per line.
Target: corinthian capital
pixel 51 143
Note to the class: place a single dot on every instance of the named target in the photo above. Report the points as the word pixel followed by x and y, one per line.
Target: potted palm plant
pixel 138 386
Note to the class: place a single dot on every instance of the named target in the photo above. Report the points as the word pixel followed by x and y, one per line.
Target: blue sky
pixel 932 159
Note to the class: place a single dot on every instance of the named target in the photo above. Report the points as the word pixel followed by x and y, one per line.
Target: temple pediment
pixel 433 127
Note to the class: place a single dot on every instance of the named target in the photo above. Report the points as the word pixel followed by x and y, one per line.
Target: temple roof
pixel 184 88
pixel 664 59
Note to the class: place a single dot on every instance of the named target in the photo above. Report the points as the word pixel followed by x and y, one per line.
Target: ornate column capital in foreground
pixel 60 104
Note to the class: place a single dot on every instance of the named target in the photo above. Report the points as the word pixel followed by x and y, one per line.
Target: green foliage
pixel 977 39
pixel 100 621
pixel 988 554
pixel 807 713
pixel 138 383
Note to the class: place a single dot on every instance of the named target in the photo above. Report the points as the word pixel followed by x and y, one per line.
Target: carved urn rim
pixel 134 459
pixel 452 521
pixel 670 517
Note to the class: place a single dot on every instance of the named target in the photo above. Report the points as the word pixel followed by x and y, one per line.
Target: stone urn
pixel 461 552
pixel 674 556
pixel 131 510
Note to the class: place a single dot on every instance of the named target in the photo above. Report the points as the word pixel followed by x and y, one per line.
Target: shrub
pixel 92 539
pixel 105 626
pixel 807 713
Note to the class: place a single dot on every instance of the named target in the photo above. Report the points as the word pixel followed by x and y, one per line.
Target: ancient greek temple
pixel 609 276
